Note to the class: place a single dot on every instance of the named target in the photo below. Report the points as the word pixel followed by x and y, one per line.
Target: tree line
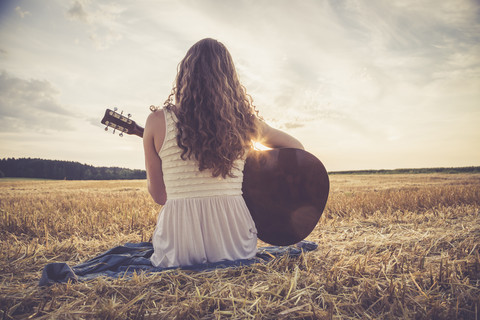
pixel 413 171
pixel 60 170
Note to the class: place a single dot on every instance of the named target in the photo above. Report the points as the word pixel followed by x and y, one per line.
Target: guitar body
pixel 285 190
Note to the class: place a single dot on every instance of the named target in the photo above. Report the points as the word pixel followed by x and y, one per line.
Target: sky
pixel 372 84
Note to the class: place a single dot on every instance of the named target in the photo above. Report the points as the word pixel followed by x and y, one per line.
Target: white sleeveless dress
pixel 205 219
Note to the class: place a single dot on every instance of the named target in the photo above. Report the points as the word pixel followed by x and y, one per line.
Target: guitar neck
pixel 138 131
pixel 119 122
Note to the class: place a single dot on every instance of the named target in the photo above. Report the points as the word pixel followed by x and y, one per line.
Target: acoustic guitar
pixel 285 190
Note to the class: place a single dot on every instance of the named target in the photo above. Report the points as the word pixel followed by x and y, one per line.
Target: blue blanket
pixel 135 257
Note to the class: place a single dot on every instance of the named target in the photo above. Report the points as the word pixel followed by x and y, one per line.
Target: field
pixel 390 247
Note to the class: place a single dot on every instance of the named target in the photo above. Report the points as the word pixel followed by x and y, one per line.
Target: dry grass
pixel 390 246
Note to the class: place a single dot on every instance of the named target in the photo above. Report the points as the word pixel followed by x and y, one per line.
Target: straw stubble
pixel 390 246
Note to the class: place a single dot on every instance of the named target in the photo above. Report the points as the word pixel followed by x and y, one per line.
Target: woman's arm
pixel 153 137
pixel 274 138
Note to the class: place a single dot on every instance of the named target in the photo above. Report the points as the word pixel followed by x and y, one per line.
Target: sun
pixel 260 147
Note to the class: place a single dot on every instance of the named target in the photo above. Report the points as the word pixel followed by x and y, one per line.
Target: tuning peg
pixel 113 131
pixel 121 112
pixel 129 115
pixel 106 128
pixel 121 134
pixel 115 109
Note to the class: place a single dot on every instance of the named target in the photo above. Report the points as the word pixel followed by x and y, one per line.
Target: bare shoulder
pixel 155 121
pixel 156 117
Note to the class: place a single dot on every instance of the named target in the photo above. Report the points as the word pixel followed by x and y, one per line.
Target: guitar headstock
pixel 119 122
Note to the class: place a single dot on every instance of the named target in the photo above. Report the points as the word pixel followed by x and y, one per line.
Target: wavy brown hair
pixel 216 117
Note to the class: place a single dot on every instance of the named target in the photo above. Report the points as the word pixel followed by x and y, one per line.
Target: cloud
pixel 77 12
pixel 344 75
pixel 30 104
pixel 293 125
pixel 103 27
pixel 410 36
pixel 21 13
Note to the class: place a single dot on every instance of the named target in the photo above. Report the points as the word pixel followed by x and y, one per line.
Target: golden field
pixel 390 247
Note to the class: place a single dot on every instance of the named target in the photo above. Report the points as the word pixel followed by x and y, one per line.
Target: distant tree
pixel 54 169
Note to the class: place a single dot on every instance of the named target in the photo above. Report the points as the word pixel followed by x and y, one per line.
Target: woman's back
pixel 183 179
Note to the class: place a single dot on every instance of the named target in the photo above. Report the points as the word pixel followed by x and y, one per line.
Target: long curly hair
pixel 216 117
